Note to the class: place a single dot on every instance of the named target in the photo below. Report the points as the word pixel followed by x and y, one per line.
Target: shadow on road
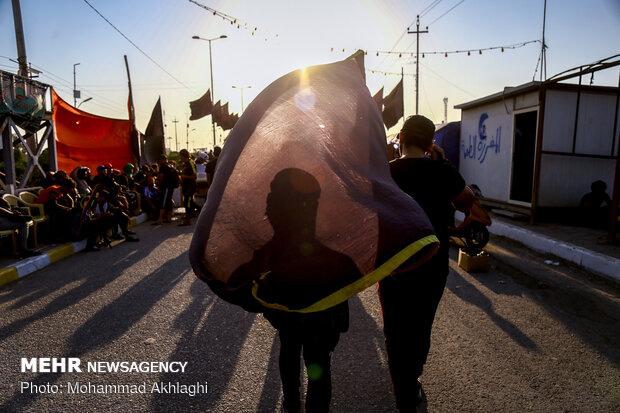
pixel 353 378
pixel 47 282
pixel 468 292
pixel 212 349
pixel 270 395
pixel 590 310
pixel 109 323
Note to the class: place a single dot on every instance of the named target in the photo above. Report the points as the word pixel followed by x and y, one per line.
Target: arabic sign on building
pixel 485 149
pixel 478 146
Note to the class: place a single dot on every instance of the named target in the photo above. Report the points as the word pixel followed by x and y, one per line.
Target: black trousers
pixel 409 302
pixel 165 198
pixel 316 336
pixel 188 201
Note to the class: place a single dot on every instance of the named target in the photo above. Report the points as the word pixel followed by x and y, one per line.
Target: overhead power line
pixel 424 12
pixel 427 9
pixel 448 81
pixel 452 8
pixel 135 45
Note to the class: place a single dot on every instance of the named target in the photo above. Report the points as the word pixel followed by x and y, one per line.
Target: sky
pixel 165 61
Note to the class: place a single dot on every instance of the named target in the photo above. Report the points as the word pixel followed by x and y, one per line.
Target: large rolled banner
pixel 84 139
pixel 303 213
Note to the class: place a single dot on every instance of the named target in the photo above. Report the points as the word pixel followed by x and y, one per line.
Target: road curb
pixel 590 260
pixel 29 265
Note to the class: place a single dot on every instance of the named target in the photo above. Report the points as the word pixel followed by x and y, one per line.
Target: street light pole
pixel 176 140
pixel 84 101
pixel 74 86
pixel 241 88
pixel 211 70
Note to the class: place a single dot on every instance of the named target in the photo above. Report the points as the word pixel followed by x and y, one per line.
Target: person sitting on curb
pixel 149 198
pixel 119 206
pixel 100 178
pixel 81 176
pixel 595 206
pixel 102 216
pixel 59 205
pixel 128 187
pixel 13 219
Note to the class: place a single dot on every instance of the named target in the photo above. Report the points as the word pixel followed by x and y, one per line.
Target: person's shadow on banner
pixel 295 269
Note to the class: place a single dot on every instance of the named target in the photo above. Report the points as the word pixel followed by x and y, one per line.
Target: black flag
pixel 201 107
pixel 393 103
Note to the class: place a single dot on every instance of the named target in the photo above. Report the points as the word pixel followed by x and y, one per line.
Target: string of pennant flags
pixel 446 53
pixel 254 29
pixel 381 72
pixel 232 20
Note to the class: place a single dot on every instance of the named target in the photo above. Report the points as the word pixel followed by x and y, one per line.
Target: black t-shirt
pixel 170 177
pixel 434 185
pixel 189 185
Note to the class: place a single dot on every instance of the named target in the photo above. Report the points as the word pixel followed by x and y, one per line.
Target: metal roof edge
pixel 507 92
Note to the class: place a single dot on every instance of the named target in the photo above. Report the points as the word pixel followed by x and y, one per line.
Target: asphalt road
pixel 524 336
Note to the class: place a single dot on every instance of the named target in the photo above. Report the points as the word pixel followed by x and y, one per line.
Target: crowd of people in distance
pixel 98 207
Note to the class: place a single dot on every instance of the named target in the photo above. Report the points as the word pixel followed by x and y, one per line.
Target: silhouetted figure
pixel 167 181
pixel 595 206
pixel 212 163
pixel 296 270
pixel 188 186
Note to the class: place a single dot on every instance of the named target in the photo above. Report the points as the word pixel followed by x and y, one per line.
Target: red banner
pixel 84 139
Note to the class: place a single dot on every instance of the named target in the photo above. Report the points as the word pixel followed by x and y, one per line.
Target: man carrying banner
pixel 264 239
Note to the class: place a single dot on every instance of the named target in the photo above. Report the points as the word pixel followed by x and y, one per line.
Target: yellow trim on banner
pixel 366 281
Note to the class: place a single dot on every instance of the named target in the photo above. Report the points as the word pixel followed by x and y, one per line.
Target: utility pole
pixel 543 52
pixel 417 58
pixel 75 91
pixel 176 141
pixel 187 132
pixel 22 60
pixel 445 110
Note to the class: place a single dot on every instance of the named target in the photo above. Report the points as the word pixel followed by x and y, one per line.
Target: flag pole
pixel 135 144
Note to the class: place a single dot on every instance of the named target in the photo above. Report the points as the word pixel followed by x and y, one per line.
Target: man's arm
pixel 465 200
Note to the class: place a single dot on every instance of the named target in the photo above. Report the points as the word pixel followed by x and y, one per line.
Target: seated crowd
pixel 99 207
